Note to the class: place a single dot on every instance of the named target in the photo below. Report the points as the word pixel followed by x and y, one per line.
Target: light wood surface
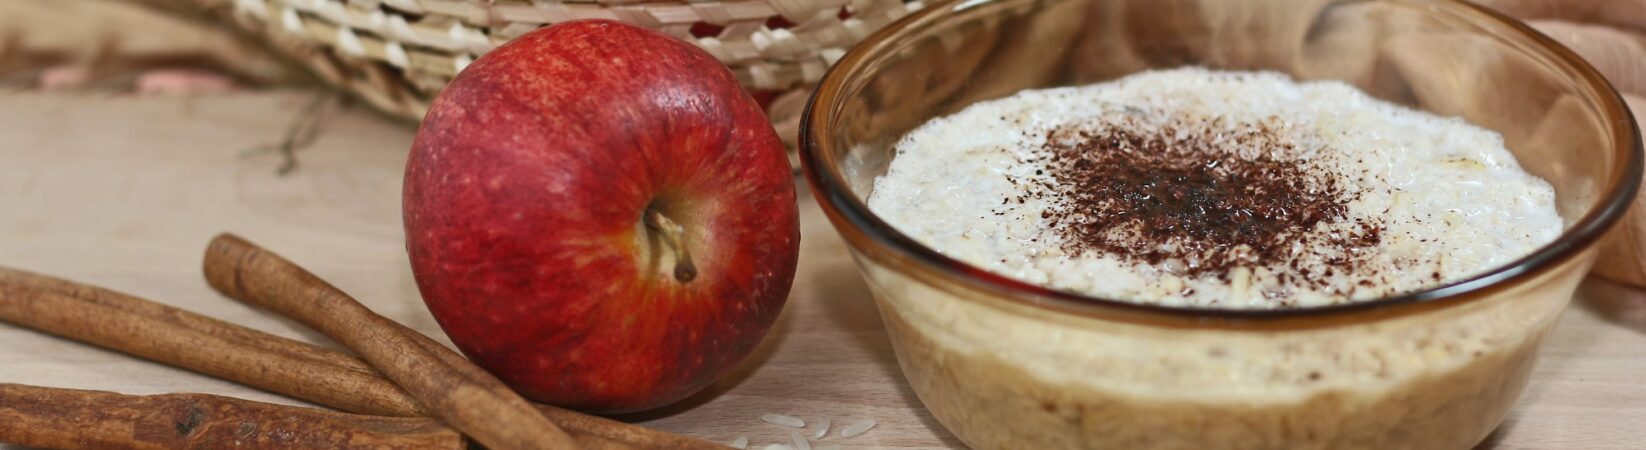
pixel 125 192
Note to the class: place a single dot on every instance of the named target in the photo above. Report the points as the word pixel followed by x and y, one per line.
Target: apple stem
pixel 674 236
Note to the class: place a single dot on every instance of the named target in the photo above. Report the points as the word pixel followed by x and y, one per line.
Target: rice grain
pixel 857 428
pixel 800 441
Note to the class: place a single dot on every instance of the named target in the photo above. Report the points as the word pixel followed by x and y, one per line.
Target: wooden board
pixel 124 192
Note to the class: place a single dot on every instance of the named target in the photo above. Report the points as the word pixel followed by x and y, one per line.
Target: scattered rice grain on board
pixel 777 447
pixel 822 429
pixel 740 443
pixel 856 428
pixel 800 441
pixel 783 420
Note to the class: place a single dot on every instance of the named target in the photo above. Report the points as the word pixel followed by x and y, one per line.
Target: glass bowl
pixel 1007 364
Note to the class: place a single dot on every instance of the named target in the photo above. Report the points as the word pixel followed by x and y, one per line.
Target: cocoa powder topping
pixel 1196 199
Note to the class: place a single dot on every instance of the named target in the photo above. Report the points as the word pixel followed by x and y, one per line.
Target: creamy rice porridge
pixel 1220 189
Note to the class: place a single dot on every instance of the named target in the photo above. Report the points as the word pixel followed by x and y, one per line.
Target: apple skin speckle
pixel 540 274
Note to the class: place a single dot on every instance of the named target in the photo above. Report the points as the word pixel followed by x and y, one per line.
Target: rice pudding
pixel 1219 190
pixel 1201 188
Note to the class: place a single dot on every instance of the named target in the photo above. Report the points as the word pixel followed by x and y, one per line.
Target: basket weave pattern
pixel 397 54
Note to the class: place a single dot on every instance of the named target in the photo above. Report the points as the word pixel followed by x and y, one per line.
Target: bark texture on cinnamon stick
pixel 598 426
pixel 322 376
pixel 472 401
pixel 79 419
pixel 184 339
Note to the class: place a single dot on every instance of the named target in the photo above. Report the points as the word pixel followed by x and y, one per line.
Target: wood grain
pixel 125 192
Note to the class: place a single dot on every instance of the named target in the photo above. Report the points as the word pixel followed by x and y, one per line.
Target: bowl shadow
pixel 847 303
pixel 1615 302
pixel 1494 440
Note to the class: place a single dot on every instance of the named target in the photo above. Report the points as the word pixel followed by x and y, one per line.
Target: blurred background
pixel 395 55
pixel 133 130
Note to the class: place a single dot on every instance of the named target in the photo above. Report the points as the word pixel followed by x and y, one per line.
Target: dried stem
pixel 300 134
pixel 674 236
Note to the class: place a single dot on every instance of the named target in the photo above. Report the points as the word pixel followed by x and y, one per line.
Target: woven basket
pixel 397 54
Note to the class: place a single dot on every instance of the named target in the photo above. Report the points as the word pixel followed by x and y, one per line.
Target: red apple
pixel 599 215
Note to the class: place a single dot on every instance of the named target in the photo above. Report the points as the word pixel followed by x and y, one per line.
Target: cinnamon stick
pixel 470 400
pixel 180 338
pixel 598 426
pixel 79 419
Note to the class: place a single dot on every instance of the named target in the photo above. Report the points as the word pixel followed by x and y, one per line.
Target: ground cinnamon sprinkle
pixel 1197 199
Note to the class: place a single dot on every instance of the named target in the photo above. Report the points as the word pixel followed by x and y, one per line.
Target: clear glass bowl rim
pixel 860 226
